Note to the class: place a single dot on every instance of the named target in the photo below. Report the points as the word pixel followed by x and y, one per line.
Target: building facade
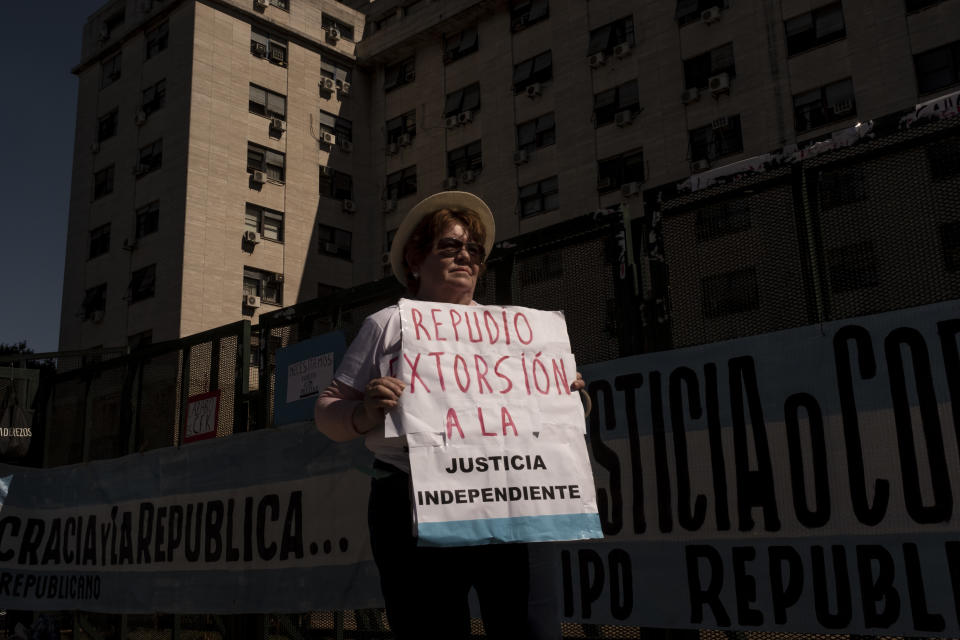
pixel 234 156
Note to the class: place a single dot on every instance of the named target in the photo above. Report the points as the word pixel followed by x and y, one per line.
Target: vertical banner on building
pixel 304 370
pixel 496 436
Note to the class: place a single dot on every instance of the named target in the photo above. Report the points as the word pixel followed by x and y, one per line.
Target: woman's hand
pixel 578 384
pixel 381 395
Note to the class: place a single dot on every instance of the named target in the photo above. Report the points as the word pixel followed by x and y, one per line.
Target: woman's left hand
pixel 578 384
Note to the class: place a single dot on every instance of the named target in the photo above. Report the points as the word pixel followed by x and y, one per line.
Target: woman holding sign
pixel 438 253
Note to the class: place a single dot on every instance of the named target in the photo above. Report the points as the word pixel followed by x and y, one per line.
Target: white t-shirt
pixel 379 336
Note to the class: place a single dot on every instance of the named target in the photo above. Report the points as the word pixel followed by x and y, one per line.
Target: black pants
pixel 426 588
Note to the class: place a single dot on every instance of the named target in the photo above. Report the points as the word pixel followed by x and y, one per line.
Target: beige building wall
pixel 206 127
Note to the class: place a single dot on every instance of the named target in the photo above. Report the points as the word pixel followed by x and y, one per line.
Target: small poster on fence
pixel 203 412
pixel 496 436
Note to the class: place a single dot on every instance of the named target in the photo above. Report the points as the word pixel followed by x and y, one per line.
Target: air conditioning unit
pixel 333 34
pixel 604 183
pixel 276 278
pixel 328 138
pixel 259 49
pixel 331 247
pixel 720 123
pixel 450 183
pixel 597 59
pixel 277 55
pixel 843 106
pixel 709 16
pixel 389 205
pixel 521 156
pixel 349 206
pixel 465 116
pixel 690 95
pixel 719 83
pixel 97 316
pixel 452 122
pixel 253 237
pixel 699 165
pixel 129 245
pixel 95 147
pixel 628 189
pixel 277 124
pixel 345 88
pixel 251 301
pixel 258 177
pixel 393 149
pixel 622 50
pixel 623 118
pixel 326 171
pixel 259 5
pixel 345 145
pixel 405 140
pixel 140 169
pixel 468 176
pixel 327 85
pixel 140 116
pixel 534 90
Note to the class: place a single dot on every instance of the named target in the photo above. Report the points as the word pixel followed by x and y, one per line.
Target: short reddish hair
pixel 425 234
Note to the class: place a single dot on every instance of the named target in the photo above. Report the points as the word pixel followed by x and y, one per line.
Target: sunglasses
pixel 451 247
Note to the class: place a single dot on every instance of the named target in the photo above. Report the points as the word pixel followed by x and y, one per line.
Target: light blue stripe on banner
pixel 465 533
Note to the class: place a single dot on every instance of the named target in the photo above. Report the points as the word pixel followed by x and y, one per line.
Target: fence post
pixel 242 386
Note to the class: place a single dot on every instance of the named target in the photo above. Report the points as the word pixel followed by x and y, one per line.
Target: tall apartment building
pixel 235 153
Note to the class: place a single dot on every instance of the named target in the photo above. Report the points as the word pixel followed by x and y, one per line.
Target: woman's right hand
pixel 379 396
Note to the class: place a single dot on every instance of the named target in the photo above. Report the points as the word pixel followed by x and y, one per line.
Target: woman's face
pixel 448 273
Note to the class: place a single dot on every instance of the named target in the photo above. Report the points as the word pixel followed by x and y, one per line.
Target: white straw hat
pixel 452 200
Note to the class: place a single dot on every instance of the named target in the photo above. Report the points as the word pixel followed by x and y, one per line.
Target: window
pixel 689 11
pixel 605 38
pixel 536 69
pixel 938 68
pixel 94 302
pixel 281 4
pixel 539 197
pixel 720 138
pixel 465 158
pixel 154 97
pixel 524 13
pixel 99 240
pixel 267 103
pixel 537 133
pixel 148 219
pixel 698 70
pixel 852 267
pixel 266 222
pixel 827 104
pixel 335 72
pixel 460 45
pixel 103 182
pixel 329 24
pixel 109 71
pixel 944 158
pixel 111 22
pixel 950 245
pixel 271 162
pixel 107 126
pixel 620 169
pixel 151 158
pixel 607 104
pixel 722 219
pixel 399 74
pixel 402 183
pixel 157 39
pixel 404 124
pixel 265 284
pixel 143 284
pixel 140 340
pixel 728 293
pixel 334 242
pixel 466 99
pixel 340 127
pixel 335 184
pixel 265 45
pixel 815 28
pixel 843 186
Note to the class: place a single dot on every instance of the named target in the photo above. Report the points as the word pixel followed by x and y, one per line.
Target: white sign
pixel 496 439
pixel 307 377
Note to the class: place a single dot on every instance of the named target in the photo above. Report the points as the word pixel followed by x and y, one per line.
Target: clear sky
pixel 39 117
